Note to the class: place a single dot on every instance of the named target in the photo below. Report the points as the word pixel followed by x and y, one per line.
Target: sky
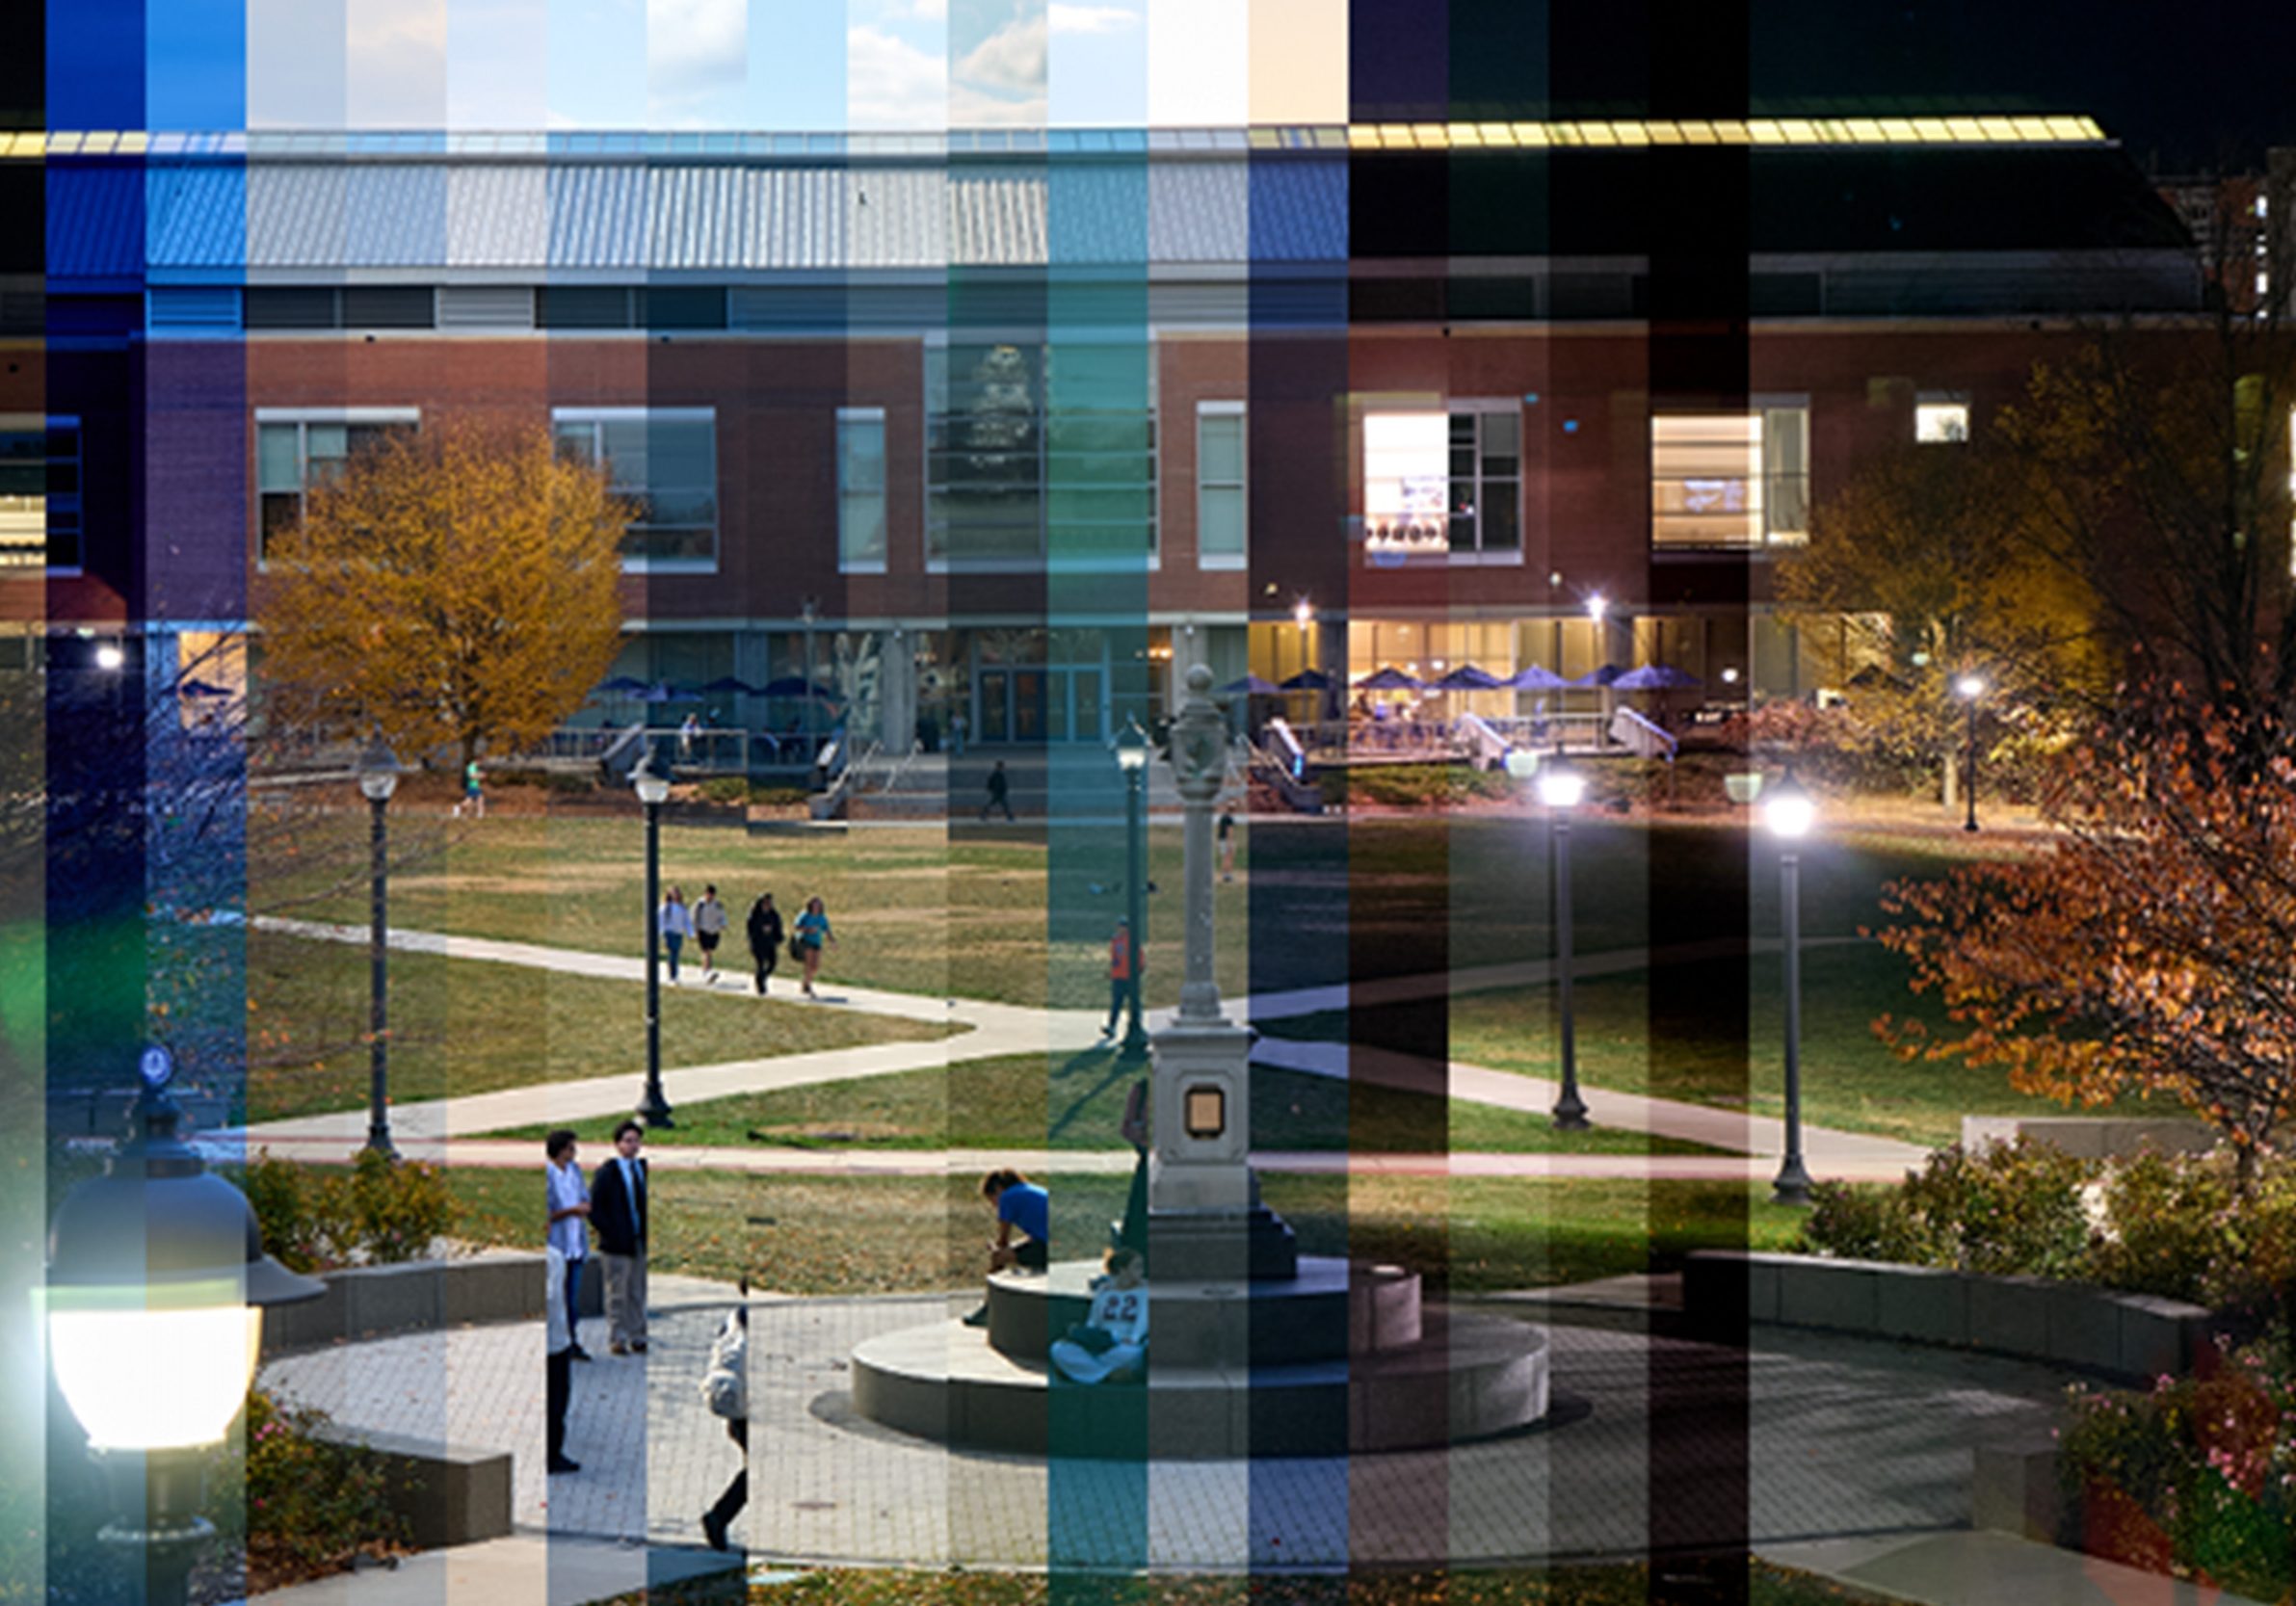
pixel 2183 82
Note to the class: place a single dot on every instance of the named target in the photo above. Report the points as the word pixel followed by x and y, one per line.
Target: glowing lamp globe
pixel 653 786
pixel 1561 788
pixel 156 1287
pixel 378 774
pixel 1131 747
pixel 1788 810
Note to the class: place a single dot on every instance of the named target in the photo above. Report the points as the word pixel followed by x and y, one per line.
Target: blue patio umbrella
pixel 1536 677
pixel 667 691
pixel 1470 677
pixel 725 683
pixel 622 685
pixel 1654 677
pixel 1309 681
pixel 1251 686
pixel 1595 679
pixel 1388 678
pixel 796 686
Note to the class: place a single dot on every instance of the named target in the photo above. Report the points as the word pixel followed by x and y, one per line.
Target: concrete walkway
pixel 436 1129
pixel 1860 1462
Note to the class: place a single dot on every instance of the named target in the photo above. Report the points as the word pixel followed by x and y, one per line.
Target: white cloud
pixel 1009 60
pixel 396 54
pixel 694 50
pixel 889 83
pixel 1092 19
pixel 971 108
pixel 916 10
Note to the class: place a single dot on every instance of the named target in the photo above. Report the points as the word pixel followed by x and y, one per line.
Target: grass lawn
pixel 875 1235
pixel 1850 1079
pixel 1029 1101
pixel 1630 1584
pixel 468 1027
pixel 1027 919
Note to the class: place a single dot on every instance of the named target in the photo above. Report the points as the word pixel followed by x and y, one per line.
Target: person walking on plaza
pixel 474 793
pixel 726 1391
pixel 709 926
pixel 812 930
pixel 765 937
pixel 956 729
pixel 617 1211
pixel 1228 845
pixel 1000 792
pixel 678 923
pixel 569 1204
pixel 558 1361
pixel 1123 965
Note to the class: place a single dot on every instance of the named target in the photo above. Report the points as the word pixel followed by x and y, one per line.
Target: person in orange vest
pixel 1124 966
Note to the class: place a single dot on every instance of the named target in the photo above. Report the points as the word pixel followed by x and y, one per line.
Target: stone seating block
pixel 2084 1327
pixel 2010 1314
pixel 394 1299
pixel 2015 1490
pixel 1924 1305
pixel 2158 1335
pixel 1841 1295
pixel 447 1495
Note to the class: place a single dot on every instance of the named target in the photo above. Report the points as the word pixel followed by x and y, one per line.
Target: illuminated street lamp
pixel 1560 788
pixel 1970 688
pixel 1788 811
pixel 653 790
pixel 378 780
pixel 156 1286
pixel 1131 757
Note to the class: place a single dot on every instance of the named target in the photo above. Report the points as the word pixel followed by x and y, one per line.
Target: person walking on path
pixel 617 1210
pixel 1124 966
pixel 1000 792
pixel 558 1361
pixel 765 937
pixel 1022 1207
pixel 474 793
pixel 709 926
pixel 1228 845
pixel 726 1391
pixel 569 1204
pixel 956 729
pixel 812 932
pixel 678 923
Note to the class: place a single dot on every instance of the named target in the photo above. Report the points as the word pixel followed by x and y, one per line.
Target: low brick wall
pixel 421 1296
pixel 446 1493
pixel 2133 1337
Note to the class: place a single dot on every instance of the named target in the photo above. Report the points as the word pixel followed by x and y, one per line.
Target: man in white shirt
pixel 568 1198
pixel 709 924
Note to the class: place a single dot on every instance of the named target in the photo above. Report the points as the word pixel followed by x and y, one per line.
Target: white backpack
pixel 725 1383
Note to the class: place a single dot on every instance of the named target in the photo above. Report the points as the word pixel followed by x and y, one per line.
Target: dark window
pixel 584 306
pixel 389 307
pixel 685 308
pixel 292 307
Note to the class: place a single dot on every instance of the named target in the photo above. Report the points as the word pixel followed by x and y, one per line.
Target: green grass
pixel 1625 1584
pixel 1850 1079
pixel 461 1027
pixel 1031 1101
pixel 873 1235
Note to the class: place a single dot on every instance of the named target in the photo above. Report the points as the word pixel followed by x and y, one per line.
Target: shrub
pixel 779 797
pixel 316 1220
pixel 1866 1221
pixel 312 1505
pixel 2164 1225
pixel 398 1207
pixel 726 789
pixel 2006 1208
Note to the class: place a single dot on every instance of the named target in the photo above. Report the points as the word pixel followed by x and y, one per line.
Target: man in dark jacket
pixel 765 937
pixel 617 1214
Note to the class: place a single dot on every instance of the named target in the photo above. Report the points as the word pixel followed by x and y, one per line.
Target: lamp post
pixel 1599 612
pixel 1560 788
pixel 1131 757
pixel 156 1286
pixel 653 790
pixel 1970 688
pixel 378 780
pixel 1789 812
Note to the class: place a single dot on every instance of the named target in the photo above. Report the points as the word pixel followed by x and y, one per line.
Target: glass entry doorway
pixel 1058 703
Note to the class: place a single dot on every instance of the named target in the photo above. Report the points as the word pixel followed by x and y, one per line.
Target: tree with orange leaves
pixel 2151 947
pixel 456 584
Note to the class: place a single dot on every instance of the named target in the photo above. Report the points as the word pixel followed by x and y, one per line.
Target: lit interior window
pixel 1941 422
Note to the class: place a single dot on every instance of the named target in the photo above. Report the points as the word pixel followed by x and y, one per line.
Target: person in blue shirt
pixel 1022 1208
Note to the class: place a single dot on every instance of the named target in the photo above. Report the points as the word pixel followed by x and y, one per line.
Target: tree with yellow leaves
pixel 457 584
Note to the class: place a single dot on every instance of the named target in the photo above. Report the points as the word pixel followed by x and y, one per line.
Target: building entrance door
pixel 1059 703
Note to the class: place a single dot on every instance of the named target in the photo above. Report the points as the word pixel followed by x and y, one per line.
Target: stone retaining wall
pixel 420 1296
pixel 2134 1337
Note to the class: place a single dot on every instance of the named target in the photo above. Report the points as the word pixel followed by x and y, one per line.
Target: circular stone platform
pixel 1336 1360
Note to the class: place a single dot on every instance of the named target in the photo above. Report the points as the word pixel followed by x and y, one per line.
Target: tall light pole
pixel 1599 611
pixel 653 791
pixel 1970 688
pixel 1302 613
pixel 1561 789
pixel 378 780
pixel 1133 756
pixel 1789 812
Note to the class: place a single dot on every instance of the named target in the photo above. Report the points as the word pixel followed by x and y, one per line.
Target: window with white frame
pixel 860 489
pixel 295 451
pixel 665 460
pixel 1940 419
pixel 1035 452
pixel 1444 484
pixel 1220 502
pixel 40 492
pixel 1730 479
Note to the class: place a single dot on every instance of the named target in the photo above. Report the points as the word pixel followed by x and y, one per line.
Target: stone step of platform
pixel 1470 1376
